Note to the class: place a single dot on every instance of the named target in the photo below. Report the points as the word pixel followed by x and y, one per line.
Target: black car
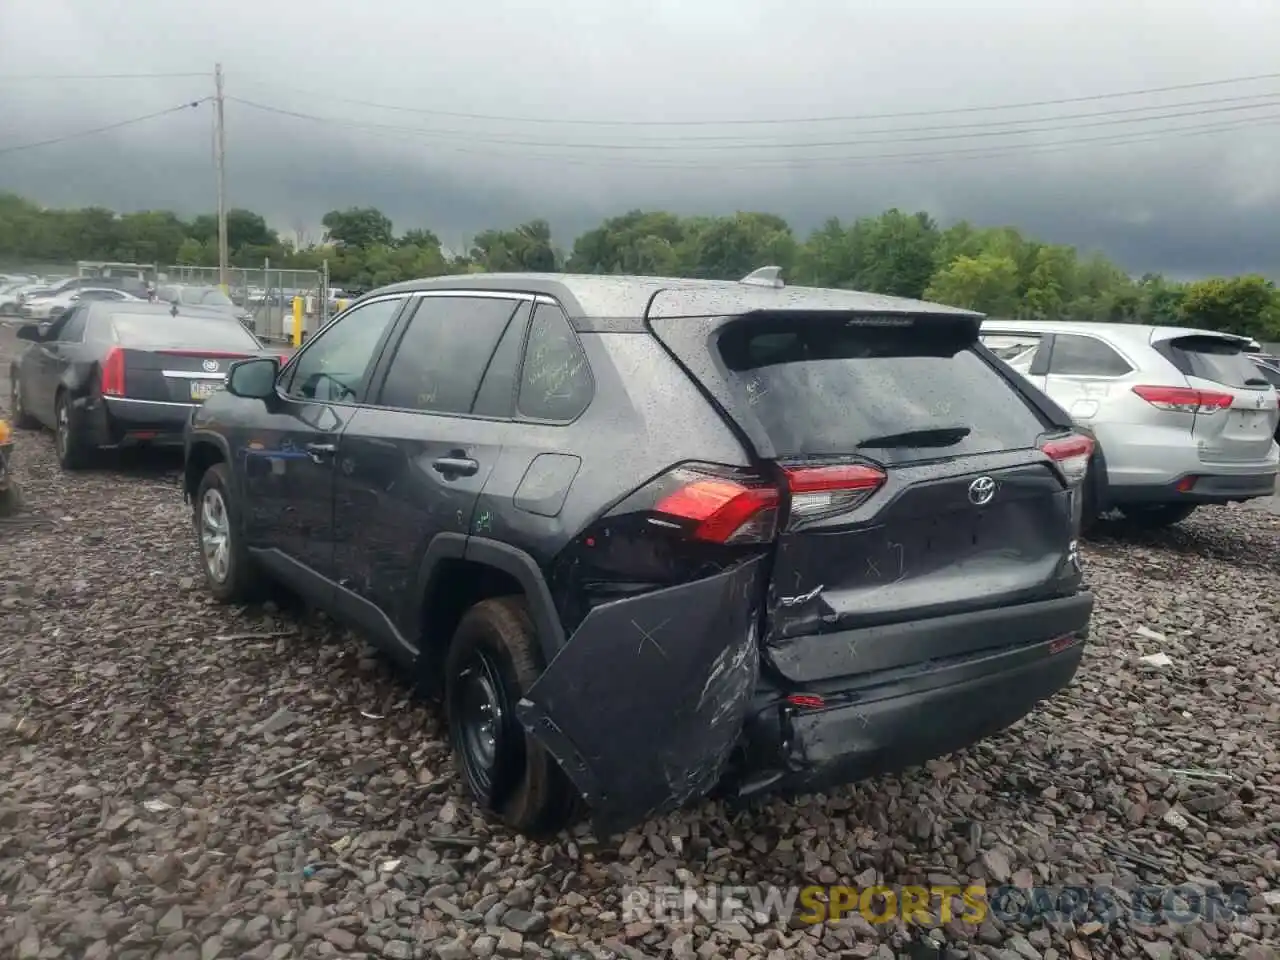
pixel 118 374
pixel 652 537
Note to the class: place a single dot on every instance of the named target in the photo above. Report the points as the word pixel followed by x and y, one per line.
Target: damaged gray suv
pixel 652 538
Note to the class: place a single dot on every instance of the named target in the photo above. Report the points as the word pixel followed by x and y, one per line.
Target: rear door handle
pixel 320 451
pixel 456 466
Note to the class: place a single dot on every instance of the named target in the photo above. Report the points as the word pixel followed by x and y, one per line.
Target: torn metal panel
pixel 646 700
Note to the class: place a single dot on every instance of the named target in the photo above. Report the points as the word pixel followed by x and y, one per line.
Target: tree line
pixel 996 270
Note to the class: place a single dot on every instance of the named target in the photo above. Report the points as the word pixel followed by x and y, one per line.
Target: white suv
pixel 1182 417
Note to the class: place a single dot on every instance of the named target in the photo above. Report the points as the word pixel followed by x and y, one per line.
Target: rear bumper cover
pixel 1209 488
pixel 122 422
pixel 789 749
pixel 658 699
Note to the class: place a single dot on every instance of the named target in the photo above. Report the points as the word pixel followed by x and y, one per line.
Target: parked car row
pixel 649 539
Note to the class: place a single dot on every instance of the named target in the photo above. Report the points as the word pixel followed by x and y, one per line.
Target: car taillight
pixel 1184 399
pixel 113 373
pixel 718 509
pixel 1071 454
pixel 825 490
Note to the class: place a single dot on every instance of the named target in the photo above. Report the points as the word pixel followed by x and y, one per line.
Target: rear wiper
pixel 1257 382
pixel 931 437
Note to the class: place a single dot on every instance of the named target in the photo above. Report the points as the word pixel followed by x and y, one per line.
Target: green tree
pixel 894 253
pixel 644 243
pixel 729 248
pixel 987 282
pixel 527 247
pixel 358 227
pixel 1244 305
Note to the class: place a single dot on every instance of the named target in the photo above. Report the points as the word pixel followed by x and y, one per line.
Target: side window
pixel 73 321
pixel 497 396
pixel 1016 349
pixel 443 353
pixel 1074 355
pixel 332 367
pixel 555 381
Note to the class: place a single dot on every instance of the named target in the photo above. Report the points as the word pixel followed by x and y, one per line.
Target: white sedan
pixel 46 308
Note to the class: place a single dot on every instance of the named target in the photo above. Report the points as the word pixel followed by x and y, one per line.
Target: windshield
pixel 149 331
pixel 205 296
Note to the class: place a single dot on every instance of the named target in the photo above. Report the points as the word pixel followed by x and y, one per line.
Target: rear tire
pixel 229 571
pixel 73 449
pixel 21 419
pixel 492 662
pixel 1157 516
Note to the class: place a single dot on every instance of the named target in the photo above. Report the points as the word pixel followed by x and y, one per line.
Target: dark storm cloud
pixel 1184 205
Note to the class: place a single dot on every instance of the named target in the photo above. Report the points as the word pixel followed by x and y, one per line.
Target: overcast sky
pixel 1102 173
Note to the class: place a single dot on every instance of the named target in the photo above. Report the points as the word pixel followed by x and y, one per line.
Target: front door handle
pixel 320 451
pixel 456 466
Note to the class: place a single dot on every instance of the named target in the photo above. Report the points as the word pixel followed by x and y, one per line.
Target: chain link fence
pixel 267 294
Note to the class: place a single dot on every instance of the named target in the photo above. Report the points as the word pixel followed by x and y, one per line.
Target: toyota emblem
pixel 981 491
pixel 211 366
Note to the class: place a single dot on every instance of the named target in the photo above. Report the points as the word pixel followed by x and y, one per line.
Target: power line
pixel 1272 101
pixel 109 127
pixel 97 76
pixel 909 158
pixel 951 111
pixel 738 140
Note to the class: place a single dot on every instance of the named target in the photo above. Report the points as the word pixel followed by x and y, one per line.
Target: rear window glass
pixel 896 393
pixel 165 332
pixel 1212 359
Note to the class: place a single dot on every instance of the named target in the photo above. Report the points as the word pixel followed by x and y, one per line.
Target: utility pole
pixel 221 163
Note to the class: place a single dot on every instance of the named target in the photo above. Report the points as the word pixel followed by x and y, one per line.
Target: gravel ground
pixel 183 780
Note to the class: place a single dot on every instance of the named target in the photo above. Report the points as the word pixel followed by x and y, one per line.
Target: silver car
pixel 1182 417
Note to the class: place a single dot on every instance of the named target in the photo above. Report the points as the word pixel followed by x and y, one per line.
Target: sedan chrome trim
pixel 194 375
pixel 114 401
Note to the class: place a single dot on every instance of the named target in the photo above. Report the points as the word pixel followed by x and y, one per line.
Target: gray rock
pixel 344 940
pixel 524 921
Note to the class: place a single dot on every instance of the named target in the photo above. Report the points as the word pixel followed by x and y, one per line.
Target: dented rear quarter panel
pixel 646 701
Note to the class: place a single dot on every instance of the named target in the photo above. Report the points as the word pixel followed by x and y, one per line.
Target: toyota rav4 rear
pixel 887 574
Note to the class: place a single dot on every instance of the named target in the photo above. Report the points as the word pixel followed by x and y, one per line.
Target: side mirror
pixel 253 379
pixel 30 332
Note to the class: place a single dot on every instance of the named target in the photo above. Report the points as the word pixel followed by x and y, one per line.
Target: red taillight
pixel 113 373
pixel 725 511
pixel 1185 399
pixel 1071 454
pixel 809 701
pixel 725 505
pixel 836 488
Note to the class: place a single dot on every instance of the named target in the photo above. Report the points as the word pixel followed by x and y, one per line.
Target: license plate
pixel 1249 420
pixel 204 389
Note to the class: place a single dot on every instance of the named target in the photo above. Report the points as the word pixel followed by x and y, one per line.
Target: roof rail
pixel 764 277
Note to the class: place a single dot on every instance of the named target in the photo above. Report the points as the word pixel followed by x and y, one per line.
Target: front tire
pixel 73 449
pixel 228 569
pixel 21 419
pixel 492 662
pixel 1157 516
